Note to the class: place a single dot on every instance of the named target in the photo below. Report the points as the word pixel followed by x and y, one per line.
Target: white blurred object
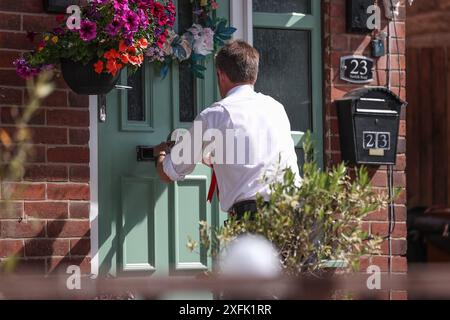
pixel 410 2
pixel 250 255
pixel 392 8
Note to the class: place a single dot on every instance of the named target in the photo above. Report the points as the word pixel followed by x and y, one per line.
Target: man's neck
pixel 234 86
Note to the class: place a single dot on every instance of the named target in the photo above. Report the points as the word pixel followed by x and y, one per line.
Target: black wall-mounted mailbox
pixel 357 15
pixel 369 121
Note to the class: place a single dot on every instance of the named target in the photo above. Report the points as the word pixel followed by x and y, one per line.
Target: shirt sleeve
pixel 213 117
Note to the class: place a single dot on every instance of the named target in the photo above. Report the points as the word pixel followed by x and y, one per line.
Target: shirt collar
pixel 241 88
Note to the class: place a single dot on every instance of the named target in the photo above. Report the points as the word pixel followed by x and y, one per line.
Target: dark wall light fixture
pixel 357 15
pixel 58 6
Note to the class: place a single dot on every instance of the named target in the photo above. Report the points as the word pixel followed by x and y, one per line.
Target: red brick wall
pixel 338 43
pixel 49 225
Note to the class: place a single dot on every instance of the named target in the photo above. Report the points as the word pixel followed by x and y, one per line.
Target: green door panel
pixel 189 208
pixel 137 224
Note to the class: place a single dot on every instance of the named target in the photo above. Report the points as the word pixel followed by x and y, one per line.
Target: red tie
pixel 213 187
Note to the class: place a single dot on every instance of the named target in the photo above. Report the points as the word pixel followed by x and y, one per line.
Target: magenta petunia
pixel 131 22
pixel 24 69
pixel 99 2
pixel 113 28
pixel 88 30
pixel 121 5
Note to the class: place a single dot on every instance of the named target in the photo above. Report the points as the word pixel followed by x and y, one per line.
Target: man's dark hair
pixel 239 61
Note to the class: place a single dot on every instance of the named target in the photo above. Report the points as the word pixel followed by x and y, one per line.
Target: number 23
pixel 359 65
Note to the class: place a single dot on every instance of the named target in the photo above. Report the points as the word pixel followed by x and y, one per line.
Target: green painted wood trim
pixel 317 81
pixel 283 20
pixel 147 94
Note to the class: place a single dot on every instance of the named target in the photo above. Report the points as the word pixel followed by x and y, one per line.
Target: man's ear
pixel 219 75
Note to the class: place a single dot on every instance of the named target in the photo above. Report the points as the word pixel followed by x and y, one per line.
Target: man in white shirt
pixel 245 137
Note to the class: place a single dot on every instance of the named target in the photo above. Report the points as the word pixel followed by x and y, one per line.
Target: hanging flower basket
pixel 83 79
pixel 93 48
pixel 115 34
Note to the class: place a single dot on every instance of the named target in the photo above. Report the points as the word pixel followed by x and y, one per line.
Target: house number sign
pixel 376 142
pixel 357 69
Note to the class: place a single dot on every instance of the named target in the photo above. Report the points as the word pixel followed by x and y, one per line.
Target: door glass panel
pixel 186 79
pixel 286 76
pixel 284 6
pixel 136 108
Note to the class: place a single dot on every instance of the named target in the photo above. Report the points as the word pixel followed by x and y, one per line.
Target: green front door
pixel 144 224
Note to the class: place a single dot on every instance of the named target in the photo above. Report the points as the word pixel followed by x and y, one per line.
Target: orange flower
pixel 125 58
pixel 113 67
pixel 132 50
pixel 122 46
pixel 111 54
pixel 98 66
pixel 141 58
pixel 143 43
pixel 134 60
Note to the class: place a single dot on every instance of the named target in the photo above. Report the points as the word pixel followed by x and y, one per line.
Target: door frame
pixel 311 22
pixel 93 168
pixel 241 17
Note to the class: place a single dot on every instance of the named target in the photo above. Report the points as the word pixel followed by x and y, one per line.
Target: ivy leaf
pixel 228 31
pixel 218 40
pixel 199 67
pixel 197 57
pixel 210 23
pixel 221 25
pixel 198 70
pixel 223 33
pixel 164 70
pixel 199 74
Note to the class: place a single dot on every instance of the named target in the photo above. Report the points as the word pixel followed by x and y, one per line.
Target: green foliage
pixel 317 222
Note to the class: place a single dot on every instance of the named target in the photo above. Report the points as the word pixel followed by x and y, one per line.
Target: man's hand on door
pixel 163 147
pixel 160 152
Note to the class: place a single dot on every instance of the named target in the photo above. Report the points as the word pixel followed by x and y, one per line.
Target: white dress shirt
pixel 268 149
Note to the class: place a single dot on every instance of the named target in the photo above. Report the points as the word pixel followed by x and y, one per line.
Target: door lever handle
pixel 102 108
pixel 120 87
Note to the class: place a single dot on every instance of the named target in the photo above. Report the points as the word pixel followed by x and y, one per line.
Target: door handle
pixel 102 103
pixel 121 87
pixel 102 108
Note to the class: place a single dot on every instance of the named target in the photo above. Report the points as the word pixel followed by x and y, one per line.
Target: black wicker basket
pixel 83 79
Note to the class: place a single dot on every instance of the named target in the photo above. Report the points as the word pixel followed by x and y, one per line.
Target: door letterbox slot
pixel 145 153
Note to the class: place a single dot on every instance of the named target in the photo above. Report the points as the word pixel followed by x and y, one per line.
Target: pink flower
pixel 214 5
pixel 203 39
